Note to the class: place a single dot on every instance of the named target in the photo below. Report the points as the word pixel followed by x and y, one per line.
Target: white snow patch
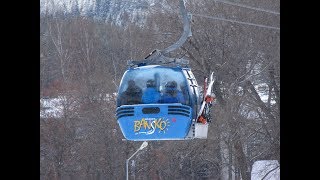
pixel 260 169
pixel 263 90
pixel 55 107
pixel 51 107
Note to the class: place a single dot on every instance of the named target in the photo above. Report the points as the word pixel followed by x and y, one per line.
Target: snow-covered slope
pixel 117 11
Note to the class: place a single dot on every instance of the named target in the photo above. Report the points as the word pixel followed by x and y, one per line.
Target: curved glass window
pixel 152 85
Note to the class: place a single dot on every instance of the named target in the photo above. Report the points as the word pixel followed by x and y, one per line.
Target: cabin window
pixel 145 85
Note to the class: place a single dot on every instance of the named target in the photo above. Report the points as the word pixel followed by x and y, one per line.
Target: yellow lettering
pixel 160 123
pixel 137 126
pixel 156 123
pixel 145 124
pixel 163 125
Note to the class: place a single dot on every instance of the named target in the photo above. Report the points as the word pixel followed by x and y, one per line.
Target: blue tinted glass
pixel 156 84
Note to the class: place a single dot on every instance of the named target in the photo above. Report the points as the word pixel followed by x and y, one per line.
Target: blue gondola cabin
pixel 157 103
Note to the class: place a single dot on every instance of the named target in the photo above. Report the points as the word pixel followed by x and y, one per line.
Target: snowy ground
pixel 266 170
pixel 263 90
pixel 51 107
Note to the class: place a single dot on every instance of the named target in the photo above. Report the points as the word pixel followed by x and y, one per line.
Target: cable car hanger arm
pixel 158 56
pixel 186 30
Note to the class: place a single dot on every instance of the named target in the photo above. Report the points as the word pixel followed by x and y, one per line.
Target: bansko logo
pixel 150 125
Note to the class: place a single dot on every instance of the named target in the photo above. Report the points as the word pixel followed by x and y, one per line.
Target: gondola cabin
pixel 157 102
